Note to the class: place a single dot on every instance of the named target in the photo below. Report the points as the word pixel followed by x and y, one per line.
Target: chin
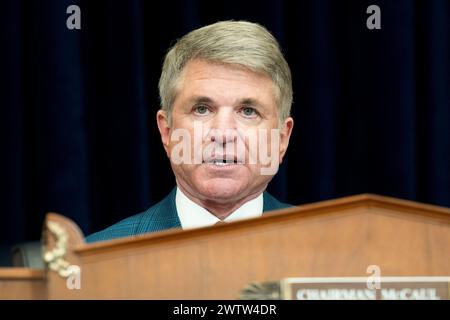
pixel 222 189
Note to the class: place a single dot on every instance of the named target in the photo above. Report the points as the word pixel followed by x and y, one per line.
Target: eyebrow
pixel 250 102
pixel 201 99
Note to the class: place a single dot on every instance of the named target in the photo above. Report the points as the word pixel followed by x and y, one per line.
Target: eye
pixel 201 109
pixel 249 112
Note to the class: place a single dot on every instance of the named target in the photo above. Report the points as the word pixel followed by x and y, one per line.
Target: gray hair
pixel 228 42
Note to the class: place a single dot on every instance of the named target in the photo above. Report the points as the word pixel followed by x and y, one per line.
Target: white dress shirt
pixel 194 216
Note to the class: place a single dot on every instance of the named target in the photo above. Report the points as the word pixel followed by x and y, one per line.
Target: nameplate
pixel 351 288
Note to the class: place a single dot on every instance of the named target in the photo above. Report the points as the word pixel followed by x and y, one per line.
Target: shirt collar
pixel 194 216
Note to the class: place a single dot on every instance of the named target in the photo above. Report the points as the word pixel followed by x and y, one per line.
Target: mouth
pixel 222 162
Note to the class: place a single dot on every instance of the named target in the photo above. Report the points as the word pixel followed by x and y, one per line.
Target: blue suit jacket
pixel 161 216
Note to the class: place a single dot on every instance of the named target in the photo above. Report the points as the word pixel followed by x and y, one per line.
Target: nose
pixel 223 126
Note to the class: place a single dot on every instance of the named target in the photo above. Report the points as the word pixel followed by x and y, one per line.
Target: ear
pixel 164 129
pixel 285 134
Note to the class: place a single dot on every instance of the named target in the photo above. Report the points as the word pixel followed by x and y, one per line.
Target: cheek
pixel 187 172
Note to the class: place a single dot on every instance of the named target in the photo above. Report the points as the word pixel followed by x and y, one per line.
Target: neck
pixel 220 209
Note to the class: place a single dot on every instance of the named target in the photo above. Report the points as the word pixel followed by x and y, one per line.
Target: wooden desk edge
pixel 21 274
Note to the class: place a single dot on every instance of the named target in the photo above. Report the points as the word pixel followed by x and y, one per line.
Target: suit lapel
pixel 270 203
pixel 164 215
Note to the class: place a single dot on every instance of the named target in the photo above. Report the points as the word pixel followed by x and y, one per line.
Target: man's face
pixel 223 101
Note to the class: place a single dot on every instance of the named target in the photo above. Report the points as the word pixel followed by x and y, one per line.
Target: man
pixel 226 95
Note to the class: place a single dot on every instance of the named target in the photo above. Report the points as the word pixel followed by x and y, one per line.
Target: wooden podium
pixel 336 238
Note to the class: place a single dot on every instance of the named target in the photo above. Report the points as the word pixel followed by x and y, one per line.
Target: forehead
pixel 224 82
